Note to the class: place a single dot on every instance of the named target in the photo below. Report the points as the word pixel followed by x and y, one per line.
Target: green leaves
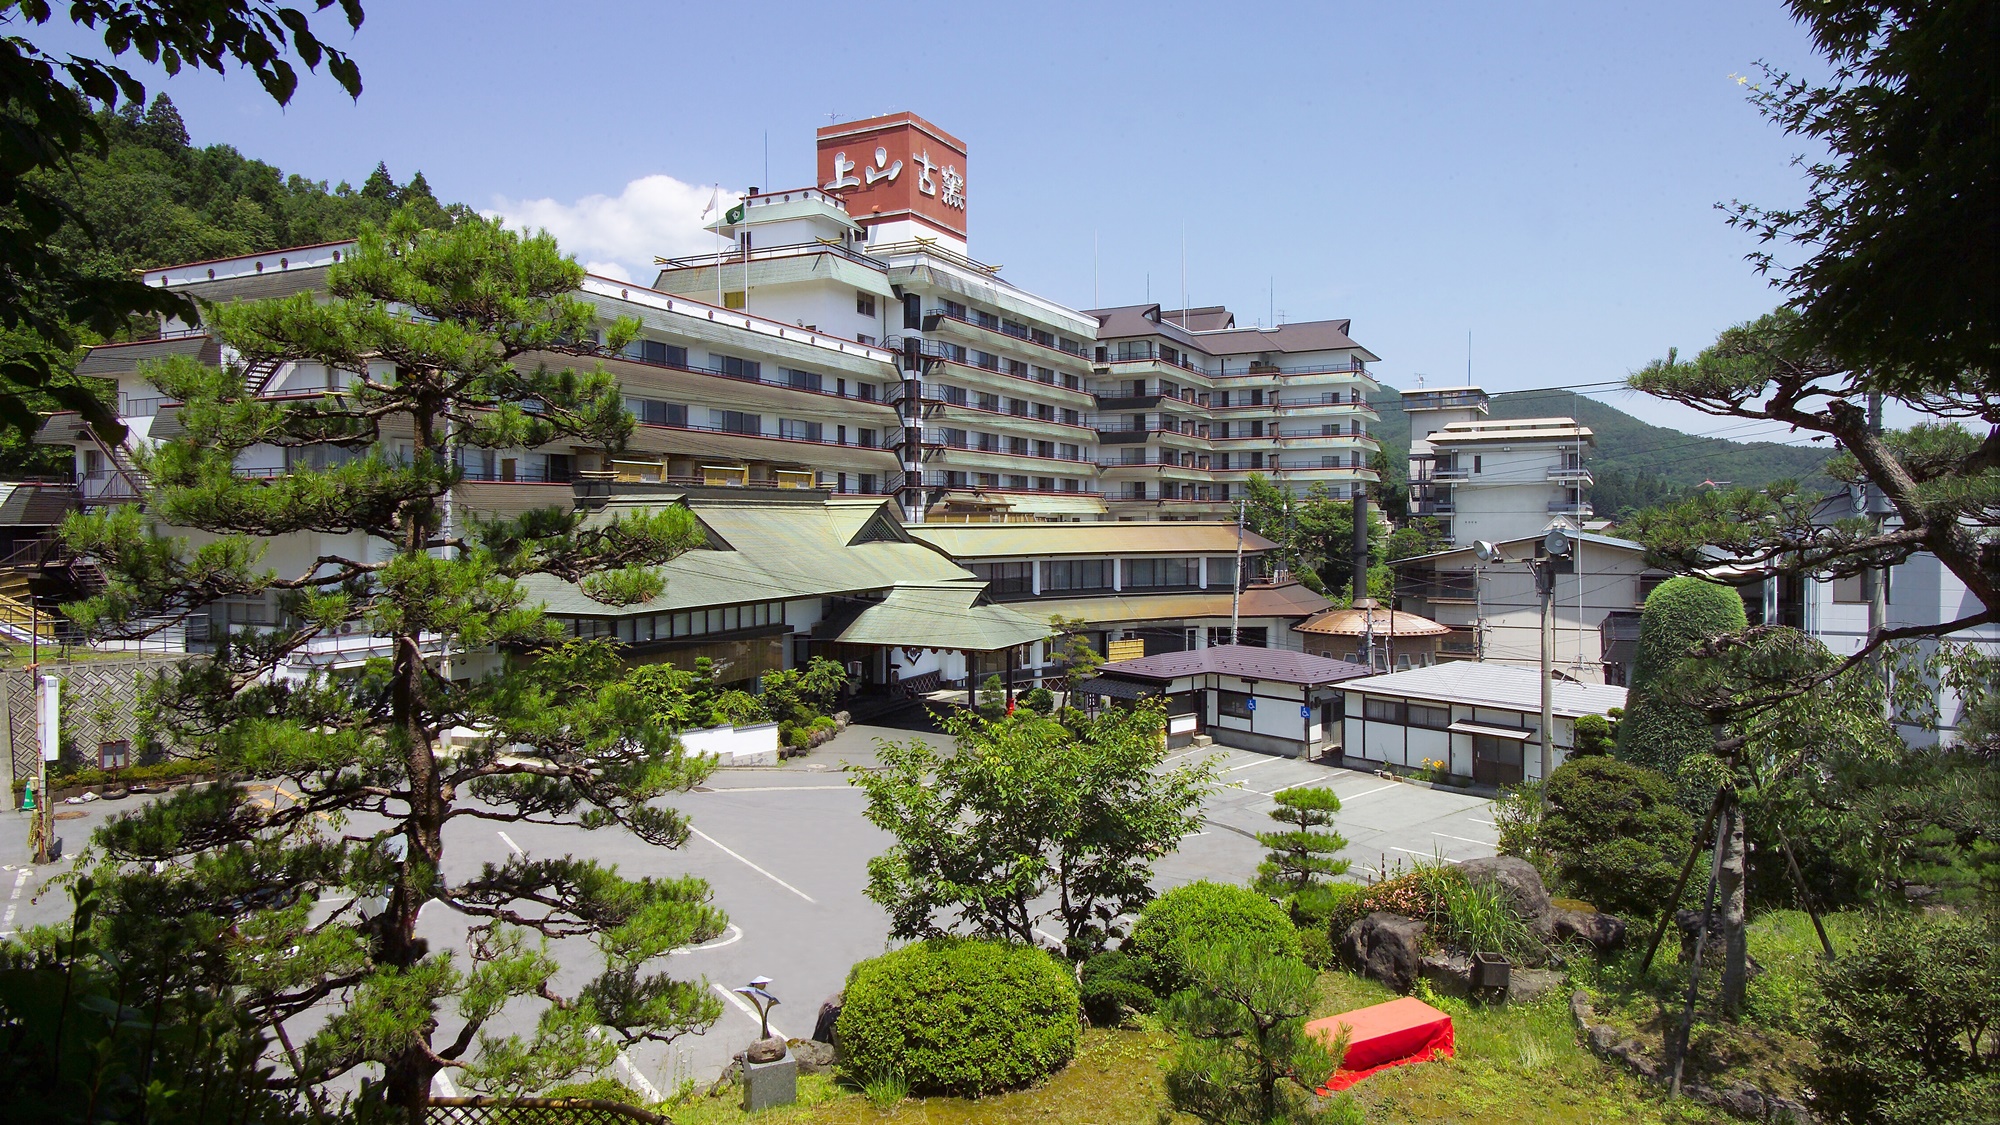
pixel 1028 804
pixel 1244 1054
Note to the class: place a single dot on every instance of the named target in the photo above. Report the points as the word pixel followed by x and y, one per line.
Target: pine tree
pixel 162 126
pixel 1655 732
pixel 380 185
pixel 368 789
pixel 1301 856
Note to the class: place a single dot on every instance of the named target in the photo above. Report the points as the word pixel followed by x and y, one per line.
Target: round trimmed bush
pixel 1679 614
pixel 958 1016
pixel 1201 913
pixel 1114 987
pixel 1617 832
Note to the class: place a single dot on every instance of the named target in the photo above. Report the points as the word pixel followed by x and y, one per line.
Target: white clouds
pixel 618 235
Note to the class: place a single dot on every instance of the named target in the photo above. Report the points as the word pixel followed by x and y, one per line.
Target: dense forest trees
pixel 152 198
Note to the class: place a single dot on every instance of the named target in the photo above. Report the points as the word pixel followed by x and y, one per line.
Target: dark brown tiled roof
pixel 1248 661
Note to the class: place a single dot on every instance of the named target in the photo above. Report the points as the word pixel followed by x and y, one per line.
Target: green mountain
pixel 1636 464
pixel 151 199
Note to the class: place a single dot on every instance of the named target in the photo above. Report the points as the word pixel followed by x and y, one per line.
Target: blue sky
pixel 1541 175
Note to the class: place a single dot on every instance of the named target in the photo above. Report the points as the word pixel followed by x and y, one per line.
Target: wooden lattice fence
pixel 537 1111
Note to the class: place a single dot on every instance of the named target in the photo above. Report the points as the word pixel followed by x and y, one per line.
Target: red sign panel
pixel 894 167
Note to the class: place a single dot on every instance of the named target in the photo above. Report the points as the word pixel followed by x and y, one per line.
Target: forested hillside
pixel 154 199
pixel 1636 464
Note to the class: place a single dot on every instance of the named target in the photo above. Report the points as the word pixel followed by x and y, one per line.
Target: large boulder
pixel 1602 932
pixel 1387 947
pixel 1515 877
pixel 1450 974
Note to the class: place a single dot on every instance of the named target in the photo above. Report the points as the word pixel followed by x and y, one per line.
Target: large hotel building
pixel 846 340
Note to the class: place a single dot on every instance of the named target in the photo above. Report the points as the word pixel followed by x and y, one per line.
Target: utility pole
pixel 1236 585
pixel 1876 580
pixel 1554 546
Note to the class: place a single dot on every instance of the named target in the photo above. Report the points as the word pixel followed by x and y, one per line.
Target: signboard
pixel 897 166
pixel 48 701
pixel 1251 705
pixel 1125 650
pixel 1305 711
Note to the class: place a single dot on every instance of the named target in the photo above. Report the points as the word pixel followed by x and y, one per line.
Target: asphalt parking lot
pixel 785 850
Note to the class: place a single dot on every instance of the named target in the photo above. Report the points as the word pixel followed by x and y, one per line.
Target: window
pixel 1076 574
pixel 1143 573
pixel 1067 451
pixel 1007 577
pixel 1044 412
pixel 1018 407
pixel 1043 374
pixel 1257 636
pixel 803 380
pixel 797 430
pixel 733 299
pixel 653 412
pixel 1235 704
pixel 989 402
pixel 1383 710
pixel 1430 718
pixel 1045 449
pixel 1222 572
pixel 1014 328
pixel 954 309
pixel 913 311
pixel 985 320
pixel 864 303
pixel 657 351
pixel 1069 417
pixel 114 755
pixel 987 360
pixel 1853 589
pixel 736 422
pixel 1476 462
pixel 1045 339
pixel 1017 369
pixel 737 368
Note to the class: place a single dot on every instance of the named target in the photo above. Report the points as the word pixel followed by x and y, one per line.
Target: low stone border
pixel 1745 1101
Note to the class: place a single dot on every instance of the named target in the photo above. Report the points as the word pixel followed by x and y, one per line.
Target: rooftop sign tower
pixel 899 175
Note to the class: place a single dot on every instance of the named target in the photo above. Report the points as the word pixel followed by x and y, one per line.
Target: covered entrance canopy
pixel 947 616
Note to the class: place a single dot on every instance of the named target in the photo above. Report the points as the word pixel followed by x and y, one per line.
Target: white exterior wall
pixel 1606 579
pixel 1405 746
pixel 1509 496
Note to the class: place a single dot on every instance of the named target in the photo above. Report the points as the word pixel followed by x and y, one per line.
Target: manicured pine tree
pixel 442 332
pixel 1301 856
pixel 1656 732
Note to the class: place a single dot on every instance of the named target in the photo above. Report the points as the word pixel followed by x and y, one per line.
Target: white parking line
pixel 730 936
pixel 745 1007
pixel 1477 820
pixel 782 789
pixel 509 841
pixel 624 1062
pixel 1426 855
pixel 13 903
pixel 1264 762
pixel 1466 840
pixel 1369 792
pixel 752 866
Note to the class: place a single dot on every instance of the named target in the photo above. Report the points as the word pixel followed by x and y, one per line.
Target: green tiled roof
pixel 769 550
pixel 942 617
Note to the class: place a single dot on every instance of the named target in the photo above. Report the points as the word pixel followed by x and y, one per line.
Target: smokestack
pixel 1360 590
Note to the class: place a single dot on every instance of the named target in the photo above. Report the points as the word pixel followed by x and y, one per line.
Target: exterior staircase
pixel 20 620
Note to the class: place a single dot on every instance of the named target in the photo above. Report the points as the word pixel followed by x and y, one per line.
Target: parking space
pixel 785 852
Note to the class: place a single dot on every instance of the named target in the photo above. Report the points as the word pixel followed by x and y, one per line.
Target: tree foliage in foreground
pixel 431 326
pixel 1302 855
pixel 47 101
pixel 1245 1056
pixel 1025 806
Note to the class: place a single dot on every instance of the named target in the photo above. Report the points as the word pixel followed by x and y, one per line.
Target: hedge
pixel 958 1016
pixel 1206 912
pixel 1679 614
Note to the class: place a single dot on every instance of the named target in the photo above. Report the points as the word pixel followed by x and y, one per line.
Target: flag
pixel 734 215
pixel 712 201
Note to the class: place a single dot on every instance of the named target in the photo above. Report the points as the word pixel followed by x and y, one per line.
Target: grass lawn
pixel 1767 1046
pixel 1515 1066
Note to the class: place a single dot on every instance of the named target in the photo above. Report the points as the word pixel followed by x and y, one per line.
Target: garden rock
pixel 1603 932
pixel 1387 947
pixel 1525 986
pixel 765 1050
pixel 1449 973
pixel 813 1056
pixel 1516 877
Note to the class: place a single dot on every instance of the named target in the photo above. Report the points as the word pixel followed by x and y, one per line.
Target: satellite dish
pixel 1556 542
pixel 1485 552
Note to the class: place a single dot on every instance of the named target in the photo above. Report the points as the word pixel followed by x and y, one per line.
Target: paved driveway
pixel 785 851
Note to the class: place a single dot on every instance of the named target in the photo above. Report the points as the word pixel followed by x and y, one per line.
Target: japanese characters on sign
pixel 929 175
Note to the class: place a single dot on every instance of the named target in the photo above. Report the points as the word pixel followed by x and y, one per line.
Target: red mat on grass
pixel 1384 1035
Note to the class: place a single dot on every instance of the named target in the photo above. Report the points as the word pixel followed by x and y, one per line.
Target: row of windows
pixel 1060 575
pixel 1407 714
pixel 655 412
pixel 673 626
pixel 736 367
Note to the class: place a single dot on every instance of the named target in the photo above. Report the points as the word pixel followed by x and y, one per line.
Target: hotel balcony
pixel 1465 398
pixel 937 360
pixel 939 407
pixel 1143 367
pixel 1573 475
pixel 1580 509
pixel 995 335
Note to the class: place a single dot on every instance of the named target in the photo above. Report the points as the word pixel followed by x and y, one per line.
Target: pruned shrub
pixel 958 1016
pixel 1617 833
pixel 1205 913
pixel 1114 989
pixel 1902 1024
pixel 1040 700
